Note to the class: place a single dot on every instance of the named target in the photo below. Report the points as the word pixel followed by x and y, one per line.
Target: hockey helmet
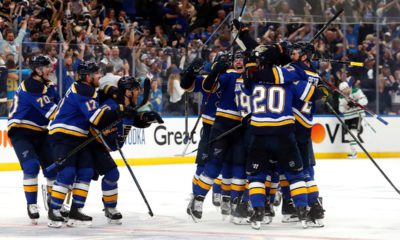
pixel 87 67
pixel 128 82
pixel 39 61
pixel 221 56
pixel 304 48
pixel 239 54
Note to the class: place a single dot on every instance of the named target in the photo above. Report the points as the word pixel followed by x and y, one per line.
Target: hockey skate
pixel 352 155
pixel 55 218
pixel 269 213
pixel 225 207
pixel 216 199
pixel 302 214
pixel 33 213
pixel 113 216
pixel 240 213
pixel 257 217
pixel 195 207
pixel 289 213
pixel 315 216
pixel 65 212
pixel 77 218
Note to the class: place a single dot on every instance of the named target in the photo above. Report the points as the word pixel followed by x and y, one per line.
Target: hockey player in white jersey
pixel 352 114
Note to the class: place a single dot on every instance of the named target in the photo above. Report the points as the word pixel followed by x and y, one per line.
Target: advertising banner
pixel 163 143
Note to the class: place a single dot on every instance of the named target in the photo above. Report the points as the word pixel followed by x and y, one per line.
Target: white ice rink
pixel 359 204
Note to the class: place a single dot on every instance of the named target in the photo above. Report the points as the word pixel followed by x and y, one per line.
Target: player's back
pixel 272 106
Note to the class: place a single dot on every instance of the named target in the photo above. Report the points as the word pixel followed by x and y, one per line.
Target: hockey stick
pixel 187 137
pixel 361 146
pixel 134 178
pixel 326 25
pixel 367 124
pixel 351 63
pixel 58 163
pixel 349 99
pixel 241 45
pixel 216 30
pixel 219 137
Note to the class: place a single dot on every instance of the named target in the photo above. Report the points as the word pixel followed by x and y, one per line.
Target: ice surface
pixel 359 204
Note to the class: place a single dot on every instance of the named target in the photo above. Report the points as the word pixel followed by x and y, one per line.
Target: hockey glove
pixel 219 66
pixel 324 92
pixel 126 111
pixel 239 26
pixel 250 67
pixel 145 119
pixel 351 104
pixel 194 68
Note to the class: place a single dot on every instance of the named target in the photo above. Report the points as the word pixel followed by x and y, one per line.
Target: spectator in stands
pixel 10 44
pixel 115 59
pixel 109 78
pixel 174 89
pixel 155 98
pixel 142 62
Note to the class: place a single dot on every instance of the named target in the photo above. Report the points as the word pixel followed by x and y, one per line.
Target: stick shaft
pixel 362 147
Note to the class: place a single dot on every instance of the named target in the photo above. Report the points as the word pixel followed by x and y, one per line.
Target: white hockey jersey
pixel 353 112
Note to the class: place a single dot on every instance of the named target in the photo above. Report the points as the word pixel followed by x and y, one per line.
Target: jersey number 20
pixel 271 99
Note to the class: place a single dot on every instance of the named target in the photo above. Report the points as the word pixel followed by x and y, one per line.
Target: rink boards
pixel 163 144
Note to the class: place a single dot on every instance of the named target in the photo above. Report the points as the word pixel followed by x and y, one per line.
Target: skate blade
pixel 304 224
pixel 256 225
pixel 114 221
pixel 225 217
pixel 217 204
pixel 34 221
pixel 290 219
pixel 190 215
pixel 267 220
pixel 77 223
pixel 54 224
pixel 317 224
pixel 240 221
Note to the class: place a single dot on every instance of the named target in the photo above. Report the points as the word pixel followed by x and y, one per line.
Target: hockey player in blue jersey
pixel 192 80
pixel 273 126
pixel 77 112
pixel 32 108
pixel 126 94
pixel 227 116
pixel 300 69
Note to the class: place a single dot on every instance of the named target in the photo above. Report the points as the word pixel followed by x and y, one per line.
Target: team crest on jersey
pixel 217 151
pixel 25 153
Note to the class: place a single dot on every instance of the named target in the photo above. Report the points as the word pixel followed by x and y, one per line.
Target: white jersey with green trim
pixel 353 112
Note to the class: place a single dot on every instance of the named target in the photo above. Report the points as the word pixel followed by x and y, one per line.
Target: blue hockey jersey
pixel 78 110
pixel 303 111
pixel 272 106
pixel 242 98
pixel 32 108
pixel 213 101
pixel 119 132
pixel 227 106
